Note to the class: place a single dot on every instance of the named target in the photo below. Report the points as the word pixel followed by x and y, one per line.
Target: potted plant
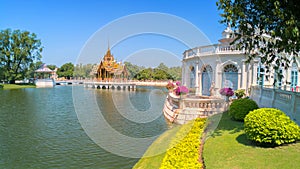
pixel 239 93
pixel 181 90
pixel 226 92
pixel 170 86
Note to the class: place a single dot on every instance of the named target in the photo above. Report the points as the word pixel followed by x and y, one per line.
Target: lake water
pixel 39 128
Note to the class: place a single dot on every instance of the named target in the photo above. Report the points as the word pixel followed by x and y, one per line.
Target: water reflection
pixel 39 129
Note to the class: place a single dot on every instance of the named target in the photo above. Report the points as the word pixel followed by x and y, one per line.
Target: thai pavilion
pixel 222 65
pixel 110 70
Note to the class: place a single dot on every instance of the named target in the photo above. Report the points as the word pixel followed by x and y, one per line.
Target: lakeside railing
pixel 285 101
pixel 182 109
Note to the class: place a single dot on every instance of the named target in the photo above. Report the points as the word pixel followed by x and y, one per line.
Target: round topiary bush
pixel 271 127
pixel 241 107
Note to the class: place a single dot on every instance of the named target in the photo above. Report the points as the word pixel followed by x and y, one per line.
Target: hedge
pixel 184 149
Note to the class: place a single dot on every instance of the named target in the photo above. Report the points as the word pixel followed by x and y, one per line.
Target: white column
pixel 186 75
pixel 254 70
pixel 244 75
pixel 197 78
pixel 200 83
pixel 218 77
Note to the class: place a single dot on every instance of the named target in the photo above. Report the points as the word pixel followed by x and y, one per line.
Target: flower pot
pixel 183 96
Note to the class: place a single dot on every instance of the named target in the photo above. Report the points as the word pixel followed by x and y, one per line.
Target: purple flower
pixel 178 83
pixel 181 90
pixel 226 92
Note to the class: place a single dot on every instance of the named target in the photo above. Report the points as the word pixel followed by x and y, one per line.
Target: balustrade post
pixel 293 105
pixel 273 96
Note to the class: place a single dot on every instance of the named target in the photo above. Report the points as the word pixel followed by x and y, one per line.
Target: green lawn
pixel 17 86
pixel 154 155
pixel 228 147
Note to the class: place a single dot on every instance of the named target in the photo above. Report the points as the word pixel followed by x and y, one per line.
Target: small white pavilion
pixel 45 76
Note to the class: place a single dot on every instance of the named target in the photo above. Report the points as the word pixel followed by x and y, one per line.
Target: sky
pixel 80 31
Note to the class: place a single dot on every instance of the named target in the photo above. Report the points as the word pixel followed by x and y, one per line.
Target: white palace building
pixel 222 65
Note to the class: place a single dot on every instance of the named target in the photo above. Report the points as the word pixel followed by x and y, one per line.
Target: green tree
pixel 83 71
pixel 163 67
pixel 33 66
pixel 265 28
pixel 175 72
pixel 66 70
pixel 18 50
pixel 160 74
pixel 52 67
pixel 145 74
pixel 132 69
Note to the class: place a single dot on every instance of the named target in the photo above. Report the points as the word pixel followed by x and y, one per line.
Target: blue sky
pixel 65 26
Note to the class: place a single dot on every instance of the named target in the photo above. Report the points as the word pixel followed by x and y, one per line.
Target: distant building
pixel 223 65
pixel 109 69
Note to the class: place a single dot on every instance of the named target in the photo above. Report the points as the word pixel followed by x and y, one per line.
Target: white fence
pixel 286 101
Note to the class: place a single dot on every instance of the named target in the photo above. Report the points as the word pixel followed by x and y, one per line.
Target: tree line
pixel 21 54
pixel 135 72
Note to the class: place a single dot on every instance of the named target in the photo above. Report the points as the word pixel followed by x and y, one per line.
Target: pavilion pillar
pixel 200 82
pixel 197 78
pixel 254 70
pixel 244 75
pixel 218 76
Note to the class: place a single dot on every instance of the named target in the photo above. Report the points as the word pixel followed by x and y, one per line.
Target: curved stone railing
pixel 286 101
pixel 182 109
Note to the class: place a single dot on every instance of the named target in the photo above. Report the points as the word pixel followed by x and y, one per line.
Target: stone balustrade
pixel 182 109
pixel 285 101
pixel 211 49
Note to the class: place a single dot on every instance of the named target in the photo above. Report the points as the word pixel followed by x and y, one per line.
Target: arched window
pixel 260 75
pixel 207 68
pixel 294 76
pixel 230 76
pixel 230 68
pixel 206 79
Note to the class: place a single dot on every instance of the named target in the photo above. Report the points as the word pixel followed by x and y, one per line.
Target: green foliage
pixel 1 86
pixel 145 74
pixel 66 70
pixel 132 69
pixel 241 107
pixel 184 150
pixel 152 74
pixel 18 50
pixel 161 72
pixel 271 127
pixel 239 93
pixel 52 67
pixel 83 71
pixel 33 66
pixel 270 26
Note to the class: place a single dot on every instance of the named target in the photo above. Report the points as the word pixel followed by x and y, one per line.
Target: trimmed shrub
pixel 241 107
pixel 184 149
pixel 271 127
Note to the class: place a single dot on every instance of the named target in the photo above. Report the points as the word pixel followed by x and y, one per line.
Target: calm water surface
pixel 39 128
